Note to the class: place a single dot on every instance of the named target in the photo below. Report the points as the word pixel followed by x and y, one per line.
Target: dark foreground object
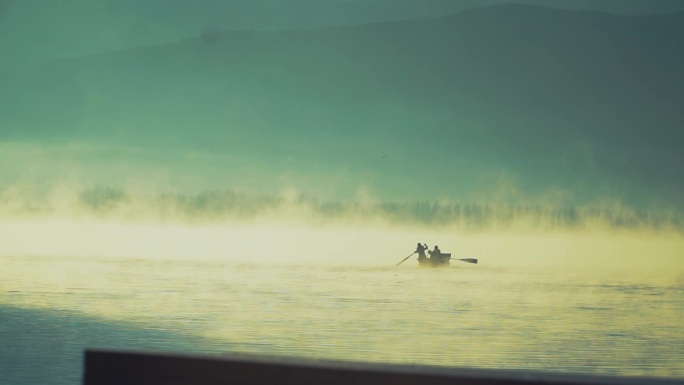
pixel 435 261
pixel 134 368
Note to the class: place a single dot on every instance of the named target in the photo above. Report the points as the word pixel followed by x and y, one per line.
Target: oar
pixel 402 261
pixel 468 260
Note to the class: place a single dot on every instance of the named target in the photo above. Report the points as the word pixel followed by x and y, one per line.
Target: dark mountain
pixel 385 8
pixel 585 101
pixel 32 32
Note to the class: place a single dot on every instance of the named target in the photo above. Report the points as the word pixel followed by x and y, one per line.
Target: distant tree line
pixel 225 204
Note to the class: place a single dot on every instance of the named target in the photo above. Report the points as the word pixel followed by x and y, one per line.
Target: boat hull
pixel 433 261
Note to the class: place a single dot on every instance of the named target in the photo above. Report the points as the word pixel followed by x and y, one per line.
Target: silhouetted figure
pixel 420 249
pixel 436 254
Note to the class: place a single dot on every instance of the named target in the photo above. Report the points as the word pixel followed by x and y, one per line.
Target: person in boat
pixel 420 249
pixel 436 254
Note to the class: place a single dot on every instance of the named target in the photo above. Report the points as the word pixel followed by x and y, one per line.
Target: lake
pixel 475 316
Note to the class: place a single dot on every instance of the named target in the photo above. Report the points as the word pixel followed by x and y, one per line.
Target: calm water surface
pixel 464 316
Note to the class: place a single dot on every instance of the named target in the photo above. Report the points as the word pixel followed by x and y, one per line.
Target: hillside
pixel 36 31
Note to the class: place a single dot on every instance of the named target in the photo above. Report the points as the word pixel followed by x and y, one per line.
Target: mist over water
pixel 175 263
pixel 294 228
pixel 295 275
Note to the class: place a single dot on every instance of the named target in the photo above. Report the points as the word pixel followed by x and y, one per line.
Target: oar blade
pixel 468 260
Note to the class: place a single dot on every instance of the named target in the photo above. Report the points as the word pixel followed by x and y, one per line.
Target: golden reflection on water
pixel 468 316
pixel 558 302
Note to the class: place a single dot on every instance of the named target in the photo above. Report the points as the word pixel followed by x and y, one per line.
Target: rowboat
pixel 435 261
